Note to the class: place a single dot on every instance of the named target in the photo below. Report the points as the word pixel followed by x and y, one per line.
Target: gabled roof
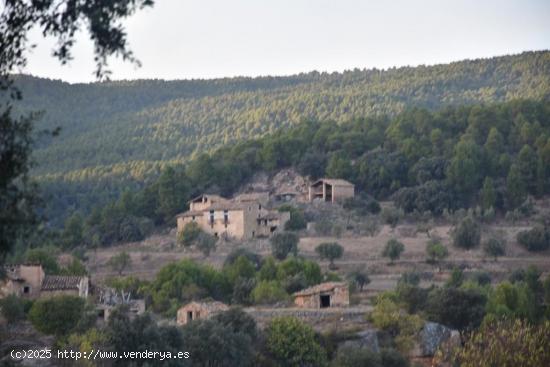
pixel 333 182
pixel 61 282
pixel 320 288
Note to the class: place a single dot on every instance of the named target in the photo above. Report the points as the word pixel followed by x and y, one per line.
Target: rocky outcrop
pixel 431 337
pixel 365 339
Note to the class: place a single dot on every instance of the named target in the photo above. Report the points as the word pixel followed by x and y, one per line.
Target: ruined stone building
pixel 324 295
pixel 331 190
pixel 29 281
pixel 109 299
pixel 199 311
pixel 242 217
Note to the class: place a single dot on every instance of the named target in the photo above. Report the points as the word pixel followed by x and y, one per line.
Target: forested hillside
pixel 118 135
pixel 489 157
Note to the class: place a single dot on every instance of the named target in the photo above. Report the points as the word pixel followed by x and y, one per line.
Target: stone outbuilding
pixel 22 280
pixel 57 285
pixel 29 281
pixel 331 190
pixel 199 311
pixel 324 295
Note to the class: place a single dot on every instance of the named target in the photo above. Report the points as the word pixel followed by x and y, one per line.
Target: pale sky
pixel 183 39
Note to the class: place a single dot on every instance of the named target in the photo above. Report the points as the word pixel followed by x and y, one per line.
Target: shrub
pixel 268 292
pixel 494 247
pixel 467 234
pixel 283 244
pixel 189 234
pixel 120 262
pixel 535 239
pixel 57 315
pixel 392 358
pixel 507 343
pixel 393 250
pixel 436 251
pixel 456 308
pixel 13 308
pixel 330 251
pixel 251 256
pixel 206 243
pixel 293 343
pixel 359 278
pixel 297 220
pixel 391 216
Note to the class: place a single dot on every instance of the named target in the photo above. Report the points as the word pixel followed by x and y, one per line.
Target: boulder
pixel 431 337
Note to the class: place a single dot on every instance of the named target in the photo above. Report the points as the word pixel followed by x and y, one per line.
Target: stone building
pixel 29 281
pixel 199 311
pixel 324 295
pixel 331 190
pixel 110 298
pixel 243 217
pixel 60 285
pixel 22 280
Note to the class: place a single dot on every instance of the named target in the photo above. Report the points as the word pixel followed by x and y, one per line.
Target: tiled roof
pixel 191 213
pixel 333 181
pixel 211 197
pixel 61 282
pixel 320 288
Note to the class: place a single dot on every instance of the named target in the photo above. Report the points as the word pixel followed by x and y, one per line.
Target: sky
pixel 190 39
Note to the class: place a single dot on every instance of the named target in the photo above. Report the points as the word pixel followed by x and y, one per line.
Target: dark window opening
pixel 272 229
pixel 325 301
pixel 253 233
pixel 189 315
pixel 328 192
pixel 101 313
pixel 26 289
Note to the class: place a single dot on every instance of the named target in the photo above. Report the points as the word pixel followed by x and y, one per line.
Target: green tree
pixel 17 192
pixel 269 292
pixel 72 235
pixel 283 244
pixel 465 167
pixel 527 165
pixel 467 233
pixel 296 221
pixel 189 234
pixel 206 243
pixel 120 262
pixel 57 315
pixel 393 250
pixel 45 256
pixel 507 343
pixel 330 251
pixel 516 190
pixel 488 194
pixel 436 251
pixel 360 278
pixel 535 239
pixel 455 307
pixel 494 247
pixel 293 343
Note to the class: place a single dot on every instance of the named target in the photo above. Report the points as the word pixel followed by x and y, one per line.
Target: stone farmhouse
pixel 243 217
pixel 331 190
pixel 324 295
pixel 199 311
pixel 29 281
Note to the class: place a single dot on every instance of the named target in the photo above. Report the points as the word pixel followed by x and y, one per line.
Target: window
pixel 26 289
pixel 211 218
pixel 324 300
pixel 193 218
pixel 189 315
pixel 225 217
pixel 260 206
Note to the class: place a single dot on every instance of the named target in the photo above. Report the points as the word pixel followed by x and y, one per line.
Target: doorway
pixel 325 300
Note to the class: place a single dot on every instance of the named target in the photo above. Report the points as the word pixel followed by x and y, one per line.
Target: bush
pixel 362 205
pixel 189 234
pixel 13 308
pixel 467 234
pixel 535 239
pixel 283 244
pixel 457 308
pixel 268 292
pixel 57 315
pixel 297 220
pixel 391 216
pixel 293 343
pixel 393 250
pixel 392 358
pixel 251 256
pixel 359 278
pixel 494 247
pixel 436 252
pixel 330 251
pixel 507 343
